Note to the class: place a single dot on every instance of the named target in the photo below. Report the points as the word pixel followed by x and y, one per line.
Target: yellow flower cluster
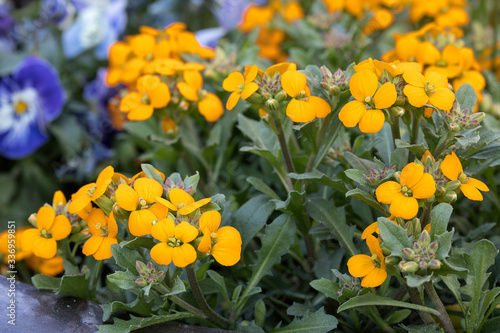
pixel 270 38
pixel 186 229
pixel 280 83
pixel 151 67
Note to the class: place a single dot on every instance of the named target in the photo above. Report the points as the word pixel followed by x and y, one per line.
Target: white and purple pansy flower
pixel 30 98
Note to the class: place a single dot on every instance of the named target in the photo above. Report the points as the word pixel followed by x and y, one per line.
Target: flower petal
pixel 442 98
pixel 140 222
pixel 161 253
pixel 112 226
pixel 351 113
pixel 363 84
pixel 411 174
pixel 232 100
pixel 61 227
pixel 425 188
pixel 126 197
pixel 451 167
pixel 186 232
pixel 45 247
pixel 183 255
pixel 210 220
pixel 471 192
pixel 321 107
pixel 300 111
pixel 163 230
pixel 232 82
pixel 414 78
pixel 360 265
pixel 104 251
pixel 372 228
pixel 293 83
pixel 385 96
pixel 478 184
pixel 251 74
pixel 387 192
pixel 148 189
pixel 186 210
pixel 250 88
pixel 92 245
pixel 372 121
pixel 45 217
pixel 404 207
pixel 375 278
pixel 416 95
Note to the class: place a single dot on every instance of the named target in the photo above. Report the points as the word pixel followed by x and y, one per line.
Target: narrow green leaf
pixel 327 214
pixel 126 326
pixel 149 170
pixel 326 287
pixel 357 176
pixel 123 279
pixel 372 299
pixel 260 186
pixel 260 312
pixel 360 164
pixel 219 281
pixel 444 241
pixel 417 149
pixel 178 288
pixel 138 306
pixel 320 178
pixel 317 322
pixel 367 198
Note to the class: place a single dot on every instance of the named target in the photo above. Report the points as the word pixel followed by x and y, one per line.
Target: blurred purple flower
pixel 56 11
pixel 6 29
pixel 98 24
pixel 30 98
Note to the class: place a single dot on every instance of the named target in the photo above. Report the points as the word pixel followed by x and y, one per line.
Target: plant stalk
pixel 416 299
pixel 202 302
pixel 436 301
pixel 285 149
pixel 396 132
pixel 180 302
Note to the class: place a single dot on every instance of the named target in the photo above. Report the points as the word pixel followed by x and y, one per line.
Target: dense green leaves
pixel 317 322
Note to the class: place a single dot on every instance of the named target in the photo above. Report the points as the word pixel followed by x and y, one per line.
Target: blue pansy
pixel 30 98
pixel 98 24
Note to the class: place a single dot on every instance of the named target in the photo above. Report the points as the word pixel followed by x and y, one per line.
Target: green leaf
pixel 260 186
pixel 440 215
pixel 372 299
pixel 260 312
pixel 422 328
pixel 395 238
pixel 126 258
pixel 327 214
pixel 399 158
pixel 320 178
pixel 398 316
pixel 75 285
pixel 360 163
pixel 276 242
pixel 357 176
pixel 310 131
pixel 317 322
pixel 251 217
pixel 261 135
pixel 326 287
pixel 414 281
pixel 416 149
pixel 367 198
pixel 466 97
pixel 383 143
pixel 299 310
pixel 444 241
pixel 138 306
pixel 138 242
pixel 178 288
pixel 123 279
pixel 221 284
pixel 192 181
pixel 126 326
pixel 149 170
pixel 292 205
pixel 44 282
pixel 451 281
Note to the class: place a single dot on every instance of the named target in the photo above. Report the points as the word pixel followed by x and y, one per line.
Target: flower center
pixel 376 260
pixel 213 235
pixel 463 178
pixel 143 203
pixel 441 63
pixel 20 107
pixel 45 233
pixel 241 87
pixel 429 88
pixel 406 191
pixel 145 99
pixel 301 94
pixel 91 191
pixel 369 104
pixel 174 242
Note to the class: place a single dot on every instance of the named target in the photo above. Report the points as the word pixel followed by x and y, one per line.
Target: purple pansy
pixel 30 98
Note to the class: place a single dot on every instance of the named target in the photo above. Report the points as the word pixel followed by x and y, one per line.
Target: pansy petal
pixel 387 192
pixel 411 174
pixel 372 121
pixel 161 253
pixel 126 197
pixel 61 227
pixel 451 167
pixel 210 220
pixel 471 192
pixel 375 278
pixel 385 96
pixel 363 84
pixel 360 265
pixel 404 207
pixel 351 113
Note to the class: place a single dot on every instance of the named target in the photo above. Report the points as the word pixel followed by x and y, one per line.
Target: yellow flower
pixel 103 230
pixel 240 86
pixel 303 107
pixel 90 192
pixel 365 110
pixel 181 202
pixel 140 201
pixel 371 269
pixel 432 88
pixel 50 228
pixel 19 252
pixel 50 267
pixel 152 94
pixel 223 243
pixel 373 228
pixel 413 184
pixel 452 169
pixel 174 243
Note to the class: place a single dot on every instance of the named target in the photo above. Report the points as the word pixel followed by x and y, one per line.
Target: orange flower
pixel 50 267
pixel 303 107
pixel 371 269
pixel 174 243
pixel 432 88
pixel 103 230
pixel 181 202
pixel 255 16
pixel 91 192
pixel 240 86
pixel 152 94
pixel 413 184
pixel 365 110
pixel 140 201
pixel 19 252
pixel 223 243
pixel 50 228
pixel 448 63
pixel 373 228
pixel 452 169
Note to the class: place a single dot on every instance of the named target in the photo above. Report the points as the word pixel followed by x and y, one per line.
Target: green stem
pixel 285 149
pixel 67 252
pixel 396 133
pixel 202 302
pixel 426 216
pixel 180 302
pixel 436 301
pixel 97 275
pixel 416 299
pixel 375 315
pixel 415 125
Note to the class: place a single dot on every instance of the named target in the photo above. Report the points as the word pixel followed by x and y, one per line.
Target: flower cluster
pixel 157 79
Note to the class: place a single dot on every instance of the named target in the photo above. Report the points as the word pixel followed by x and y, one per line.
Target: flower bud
pixel 105 203
pixel 424 239
pixel 435 264
pixel 397 175
pixel 392 260
pixel 334 90
pixel 32 219
pixel 141 282
pixel 140 266
pixel 408 253
pixel 422 265
pixel 454 127
pixel 434 246
pixel 410 267
pixel 449 197
pixel 440 191
pixel 281 96
pixel 416 247
pixel 255 99
pixel 397 111
pixel 453 185
pixel 272 104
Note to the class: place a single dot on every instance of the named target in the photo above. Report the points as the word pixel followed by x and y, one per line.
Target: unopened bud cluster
pixel 421 257
pixel 148 274
pixel 339 151
pixel 375 176
pixel 353 287
pixel 463 119
pixel 169 185
pixel 333 83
